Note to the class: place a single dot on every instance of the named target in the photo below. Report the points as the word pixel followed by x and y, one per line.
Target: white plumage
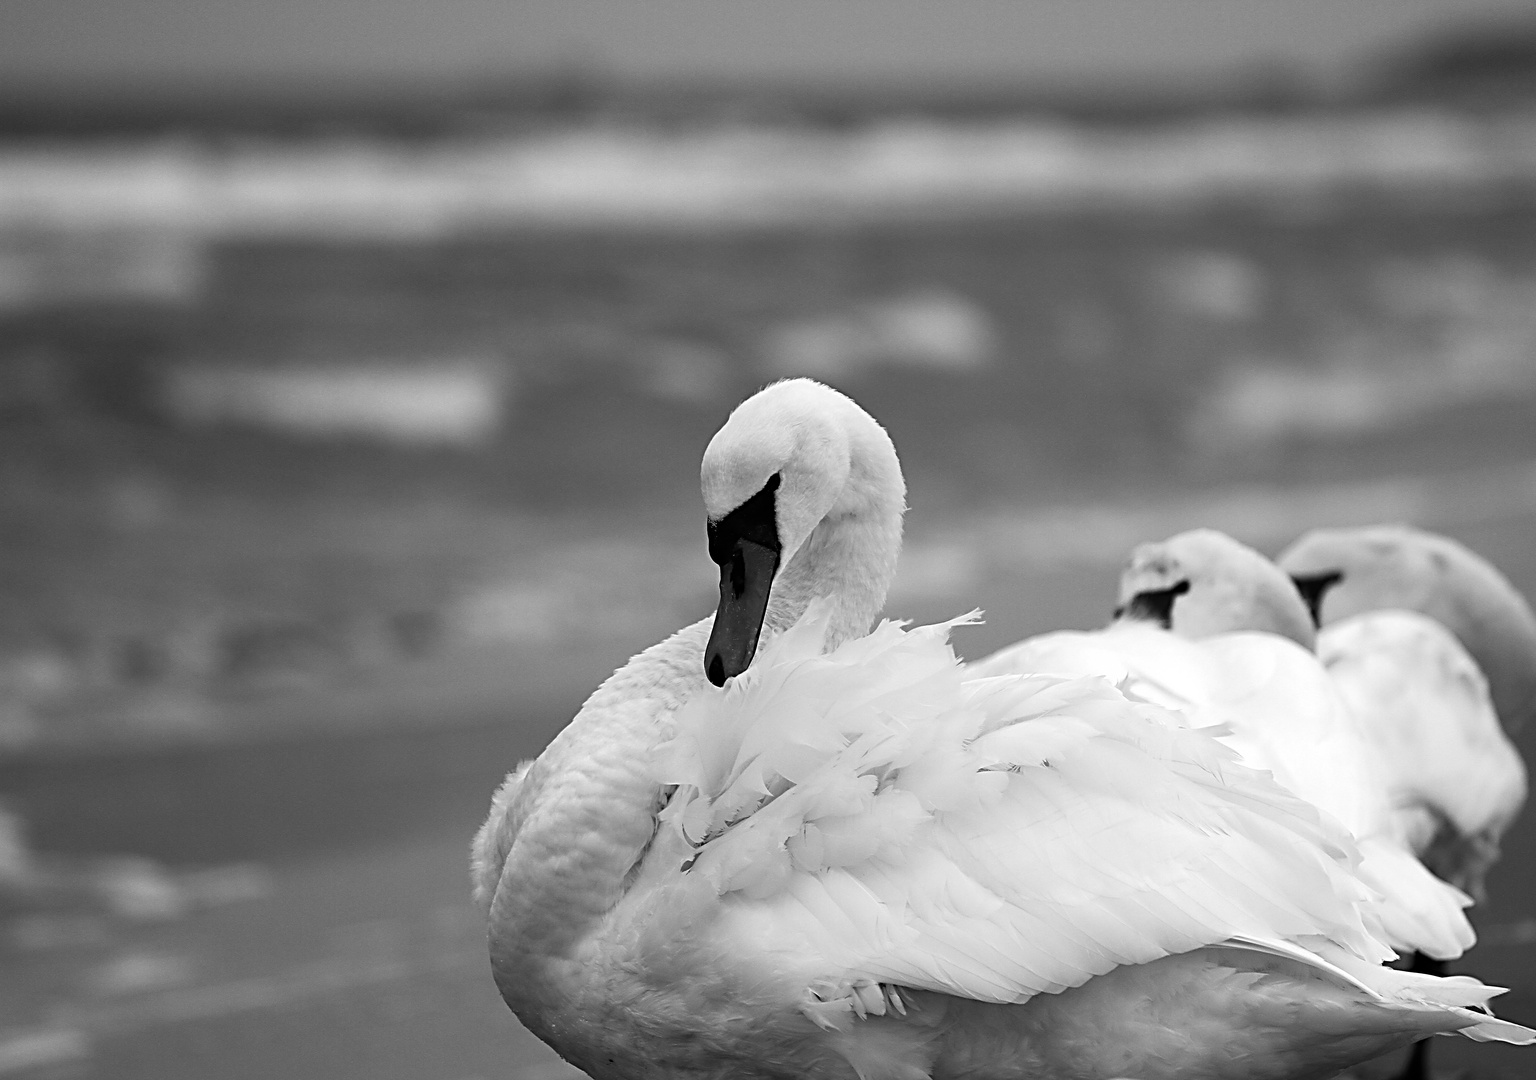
pixel 1407 614
pixel 1456 780
pixel 1409 618
pixel 859 859
pixel 1268 698
pixel 1398 567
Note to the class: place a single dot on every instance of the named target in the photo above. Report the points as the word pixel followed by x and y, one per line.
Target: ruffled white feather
pixel 892 822
pixel 1273 703
pixel 860 858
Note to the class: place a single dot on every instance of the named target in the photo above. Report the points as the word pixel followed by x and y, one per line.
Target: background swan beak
pixel 1313 587
pixel 1154 605
pixel 745 578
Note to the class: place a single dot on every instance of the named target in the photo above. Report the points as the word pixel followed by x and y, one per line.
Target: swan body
pixel 857 859
pixel 1407 617
pixel 1457 782
pixel 1410 619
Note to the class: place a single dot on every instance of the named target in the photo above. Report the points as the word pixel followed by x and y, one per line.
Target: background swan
pixel 1350 571
pixel 1210 627
pixel 1458 780
pixel 857 860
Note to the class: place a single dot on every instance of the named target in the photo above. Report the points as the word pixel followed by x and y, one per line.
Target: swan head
pixel 1204 582
pixel 1350 571
pixel 791 461
pixel 1346 571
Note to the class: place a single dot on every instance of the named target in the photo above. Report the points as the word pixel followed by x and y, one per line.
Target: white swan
pixel 1210 627
pixel 855 861
pixel 1346 572
pixel 1458 782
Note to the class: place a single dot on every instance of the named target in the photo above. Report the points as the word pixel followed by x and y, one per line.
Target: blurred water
pixel 626 175
pixel 333 475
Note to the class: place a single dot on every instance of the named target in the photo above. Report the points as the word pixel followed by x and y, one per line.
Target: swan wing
pixel 1276 705
pixel 874 816
pixel 1265 697
pixel 1145 661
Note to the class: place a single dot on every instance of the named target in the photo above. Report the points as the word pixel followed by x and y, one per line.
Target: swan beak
pixel 745 577
pixel 1154 605
pixel 1313 587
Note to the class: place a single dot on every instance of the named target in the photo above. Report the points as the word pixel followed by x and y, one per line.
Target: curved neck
pixel 583 819
pixel 850 556
pixel 584 815
pixel 850 560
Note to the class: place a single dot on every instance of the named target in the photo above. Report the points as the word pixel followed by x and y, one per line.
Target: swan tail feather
pixel 1453 1004
pixel 1445 1005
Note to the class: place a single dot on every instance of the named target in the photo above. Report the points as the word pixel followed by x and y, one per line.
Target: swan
pixel 1348 571
pixel 1409 614
pixel 1210 627
pixel 778 844
pixel 1415 682
pixel 1457 780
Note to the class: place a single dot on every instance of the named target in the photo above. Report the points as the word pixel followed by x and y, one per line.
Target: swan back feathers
pixel 992 838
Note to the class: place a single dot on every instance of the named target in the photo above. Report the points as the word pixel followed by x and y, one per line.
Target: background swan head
pixel 804 496
pixel 1203 582
pixel 1346 572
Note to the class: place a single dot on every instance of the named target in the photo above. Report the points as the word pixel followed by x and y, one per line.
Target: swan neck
pixel 849 560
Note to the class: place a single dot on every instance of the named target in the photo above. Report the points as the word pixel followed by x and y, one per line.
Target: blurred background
pixel 356 359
